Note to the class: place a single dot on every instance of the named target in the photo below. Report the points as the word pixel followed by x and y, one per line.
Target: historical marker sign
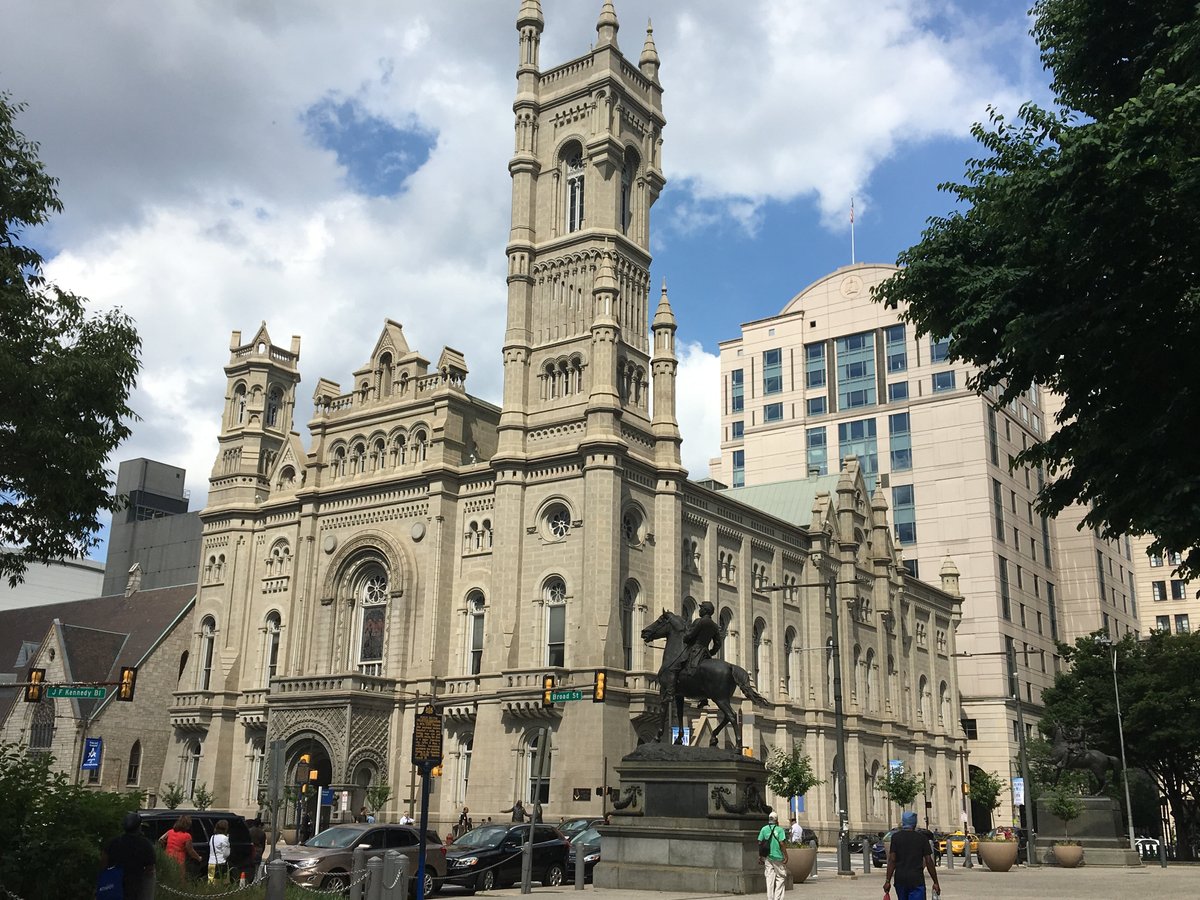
pixel 427 738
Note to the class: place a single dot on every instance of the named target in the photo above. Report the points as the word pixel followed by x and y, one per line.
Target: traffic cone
pixel 242 881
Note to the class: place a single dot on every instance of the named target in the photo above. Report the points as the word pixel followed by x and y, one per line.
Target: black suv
pixel 157 822
pixel 489 856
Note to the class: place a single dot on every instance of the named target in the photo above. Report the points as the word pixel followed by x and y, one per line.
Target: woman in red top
pixel 178 842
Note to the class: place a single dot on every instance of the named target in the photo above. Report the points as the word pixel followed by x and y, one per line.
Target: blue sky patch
pixel 377 155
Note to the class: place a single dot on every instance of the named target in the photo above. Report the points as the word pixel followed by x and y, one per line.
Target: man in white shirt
pixel 797 834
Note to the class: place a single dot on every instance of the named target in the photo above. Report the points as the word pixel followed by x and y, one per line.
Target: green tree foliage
pixel 52 831
pixel 202 797
pixel 67 375
pixel 1157 677
pixel 900 787
pixel 173 796
pixel 1072 262
pixel 791 774
pixel 378 793
pixel 986 788
pixel 1064 803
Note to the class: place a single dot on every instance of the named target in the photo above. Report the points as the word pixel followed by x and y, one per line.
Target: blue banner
pixel 93 751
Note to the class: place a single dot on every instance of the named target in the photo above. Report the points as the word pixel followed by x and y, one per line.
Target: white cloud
pixel 197 201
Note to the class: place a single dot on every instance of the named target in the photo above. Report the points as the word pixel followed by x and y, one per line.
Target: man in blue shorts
pixel 910 851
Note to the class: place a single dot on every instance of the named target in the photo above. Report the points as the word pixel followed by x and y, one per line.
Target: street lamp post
pixel 1121 741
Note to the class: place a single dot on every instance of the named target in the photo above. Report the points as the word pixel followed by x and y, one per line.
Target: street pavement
pixel 1178 882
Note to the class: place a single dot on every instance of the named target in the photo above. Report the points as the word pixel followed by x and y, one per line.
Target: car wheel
pixel 336 881
pixel 553 876
pixel 432 885
pixel 486 880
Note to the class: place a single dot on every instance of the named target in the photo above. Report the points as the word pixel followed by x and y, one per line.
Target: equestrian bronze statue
pixel 690 670
pixel 1070 751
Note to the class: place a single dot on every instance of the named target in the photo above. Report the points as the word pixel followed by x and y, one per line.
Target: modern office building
pixel 55 582
pixel 835 375
pixel 1167 602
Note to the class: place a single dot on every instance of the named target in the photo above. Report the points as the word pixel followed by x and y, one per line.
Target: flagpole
pixel 852 260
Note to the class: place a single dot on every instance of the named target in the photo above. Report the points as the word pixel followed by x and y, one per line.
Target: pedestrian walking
pixel 464 822
pixel 773 855
pixel 218 852
pixel 517 810
pixel 132 854
pixel 178 843
pixel 909 854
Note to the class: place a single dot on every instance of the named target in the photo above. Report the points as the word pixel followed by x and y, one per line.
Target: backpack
pixel 764 846
pixel 111 884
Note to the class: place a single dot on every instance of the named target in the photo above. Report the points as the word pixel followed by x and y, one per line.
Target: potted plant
pixel 998 849
pixel 791 775
pixel 1065 804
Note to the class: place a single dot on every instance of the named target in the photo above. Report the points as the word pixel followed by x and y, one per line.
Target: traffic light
pixel 598 687
pixel 303 770
pixel 128 684
pixel 547 690
pixel 36 688
pixel 435 772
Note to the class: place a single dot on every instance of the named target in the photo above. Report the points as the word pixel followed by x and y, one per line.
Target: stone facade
pixel 430 547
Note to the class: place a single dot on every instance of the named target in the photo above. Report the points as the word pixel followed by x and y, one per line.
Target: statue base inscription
pixel 1099 829
pixel 685 819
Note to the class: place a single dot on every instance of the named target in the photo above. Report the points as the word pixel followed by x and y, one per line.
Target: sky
pixel 323 166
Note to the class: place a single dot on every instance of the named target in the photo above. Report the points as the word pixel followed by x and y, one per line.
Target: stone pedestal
pixel 685 819
pixel 1098 829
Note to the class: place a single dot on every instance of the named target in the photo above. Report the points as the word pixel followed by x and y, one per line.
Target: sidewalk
pixel 1178 882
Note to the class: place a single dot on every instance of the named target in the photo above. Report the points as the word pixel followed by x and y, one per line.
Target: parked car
pixel 586 846
pixel 858 841
pixel 1008 833
pixel 878 851
pixel 958 841
pixel 157 822
pixel 489 856
pixel 326 860
pixel 572 827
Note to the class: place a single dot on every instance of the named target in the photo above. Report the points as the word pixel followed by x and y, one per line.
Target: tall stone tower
pixel 586 170
pixel 261 384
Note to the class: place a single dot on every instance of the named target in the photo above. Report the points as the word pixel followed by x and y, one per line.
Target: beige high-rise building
pixel 429 547
pixel 1166 601
pixel 835 375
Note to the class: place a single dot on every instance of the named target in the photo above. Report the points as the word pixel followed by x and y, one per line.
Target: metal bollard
pixel 816 864
pixel 357 865
pixel 949 858
pixel 967 864
pixel 866 858
pixel 1162 853
pixel 374 878
pixel 395 875
pixel 276 879
pixel 580 868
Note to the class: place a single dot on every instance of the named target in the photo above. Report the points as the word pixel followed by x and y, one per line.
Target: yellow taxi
pixel 956 841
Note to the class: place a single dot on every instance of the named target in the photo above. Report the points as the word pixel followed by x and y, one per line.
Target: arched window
pixel 135 763
pixel 41 729
pixel 358 459
pixel 554 595
pixel 628 604
pixel 339 462
pixel 208 641
pixel 758 635
pixel 378 455
pixel 254 772
pixel 476 603
pixel 532 758
pixel 726 623
pixel 271 649
pixel 385 375
pixel 399 448
pixel 628 173
pixel 468 749
pixel 789 661
pixel 274 405
pixel 487 534
pixel 191 768
pixel 372 596
pixel 239 405
pixel 829 671
pixel 869 681
pixel 943 704
pixel 689 609
pixel 857 682
pixel 421 448
pixel 573 161
pixel 183 661
pixel 923 699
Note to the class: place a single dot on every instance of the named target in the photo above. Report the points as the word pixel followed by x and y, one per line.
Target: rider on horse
pixel 702 640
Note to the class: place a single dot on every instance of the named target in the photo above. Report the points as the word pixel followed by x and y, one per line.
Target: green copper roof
pixel 791 501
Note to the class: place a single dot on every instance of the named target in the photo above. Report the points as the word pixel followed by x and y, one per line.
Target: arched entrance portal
pixel 309 769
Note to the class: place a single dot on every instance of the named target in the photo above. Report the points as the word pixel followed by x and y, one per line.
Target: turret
pixel 530 25
pixel 949 576
pixel 607 25
pixel 665 366
pixel 649 61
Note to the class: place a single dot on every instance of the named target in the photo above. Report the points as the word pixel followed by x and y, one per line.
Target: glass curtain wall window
pixel 856 370
pixel 904 513
pixel 939 350
pixel 897 356
pixel 737 429
pixel 372 599
pixel 739 468
pixel 943 381
pixel 900 435
pixel 818 452
pixel 737 391
pixel 773 412
pixel 814 366
pixel 817 406
pixel 897 392
pixel 1005 597
pixel 772 371
pixel 857 438
pixel 555 598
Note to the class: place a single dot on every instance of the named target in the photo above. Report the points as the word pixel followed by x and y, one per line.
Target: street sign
pixel 93 752
pixel 77 693
pixel 326 796
pixel 564 696
pixel 427 738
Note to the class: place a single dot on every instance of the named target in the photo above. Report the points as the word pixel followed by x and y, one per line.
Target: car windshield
pixel 487 836
pixel 340 836
pixel 570 828
pixel 588 836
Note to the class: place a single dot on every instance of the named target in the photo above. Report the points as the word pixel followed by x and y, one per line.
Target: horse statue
pixel 714 679
pixel 1070 751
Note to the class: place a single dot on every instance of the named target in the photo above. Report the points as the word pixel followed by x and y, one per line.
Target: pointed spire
pixel 605 284
pixel 649 62
pixel 531 14
pixel 607 25
pixel 663 316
